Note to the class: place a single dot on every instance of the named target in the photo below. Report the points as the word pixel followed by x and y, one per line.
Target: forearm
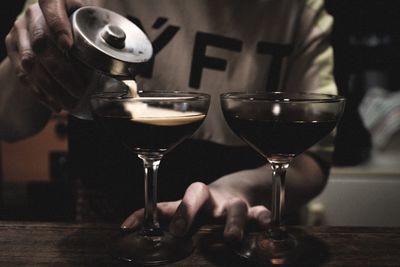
pixel 21 115
pixel 304 180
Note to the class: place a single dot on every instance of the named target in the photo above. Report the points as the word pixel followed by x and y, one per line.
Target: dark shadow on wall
pixel 8 15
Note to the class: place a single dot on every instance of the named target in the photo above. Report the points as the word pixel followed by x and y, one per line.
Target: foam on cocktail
pixel 142 112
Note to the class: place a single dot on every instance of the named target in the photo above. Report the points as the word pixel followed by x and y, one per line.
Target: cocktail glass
pixel 151 125
pixel 279 126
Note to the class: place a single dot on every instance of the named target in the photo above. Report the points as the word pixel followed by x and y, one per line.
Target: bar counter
pixel 65 244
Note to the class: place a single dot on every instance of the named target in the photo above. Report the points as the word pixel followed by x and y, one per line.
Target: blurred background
pixel 365 180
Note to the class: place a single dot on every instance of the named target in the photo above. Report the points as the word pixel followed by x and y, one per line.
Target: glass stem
pixel 151 163
pixel 278 193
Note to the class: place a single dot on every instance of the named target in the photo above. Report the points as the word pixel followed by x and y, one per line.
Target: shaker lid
pixel 109 42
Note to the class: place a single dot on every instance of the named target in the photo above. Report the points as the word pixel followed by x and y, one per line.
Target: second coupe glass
pixel 279 126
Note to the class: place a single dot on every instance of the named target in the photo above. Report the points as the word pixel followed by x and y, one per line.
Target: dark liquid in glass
pixel 280 138
pixel 153 135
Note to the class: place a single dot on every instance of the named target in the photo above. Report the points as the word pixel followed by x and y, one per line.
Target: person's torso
pixel 212 46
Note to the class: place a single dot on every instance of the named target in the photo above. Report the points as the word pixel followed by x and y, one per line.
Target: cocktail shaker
pixel 109 48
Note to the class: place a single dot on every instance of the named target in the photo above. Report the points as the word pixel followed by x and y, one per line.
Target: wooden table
pixel 61 244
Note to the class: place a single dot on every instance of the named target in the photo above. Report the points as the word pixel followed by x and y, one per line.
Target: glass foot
pixel 268 248
pixel 141 249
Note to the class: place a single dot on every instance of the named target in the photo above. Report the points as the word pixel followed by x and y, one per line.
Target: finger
pixel 165 209
pixel 23 44
pixel 56 13
pixel 12 52
pixel 236 217
pixel 38 31
pixel 134 220
pixel 168 209
pixel 11 42
pixel 196 196
pixel 261 215
pixel 27 56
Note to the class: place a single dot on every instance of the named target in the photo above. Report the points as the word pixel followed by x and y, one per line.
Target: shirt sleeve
pixel 311 66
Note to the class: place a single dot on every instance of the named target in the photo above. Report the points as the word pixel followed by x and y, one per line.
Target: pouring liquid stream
pixel 145 113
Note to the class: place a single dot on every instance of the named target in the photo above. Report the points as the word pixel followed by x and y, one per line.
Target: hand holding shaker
pixel 110 48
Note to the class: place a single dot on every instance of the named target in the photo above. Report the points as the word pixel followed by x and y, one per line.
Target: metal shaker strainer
pixel 109 42
pixel 111 46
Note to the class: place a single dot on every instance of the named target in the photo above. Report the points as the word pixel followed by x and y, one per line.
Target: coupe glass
pixel 151 125
pixel 279 126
